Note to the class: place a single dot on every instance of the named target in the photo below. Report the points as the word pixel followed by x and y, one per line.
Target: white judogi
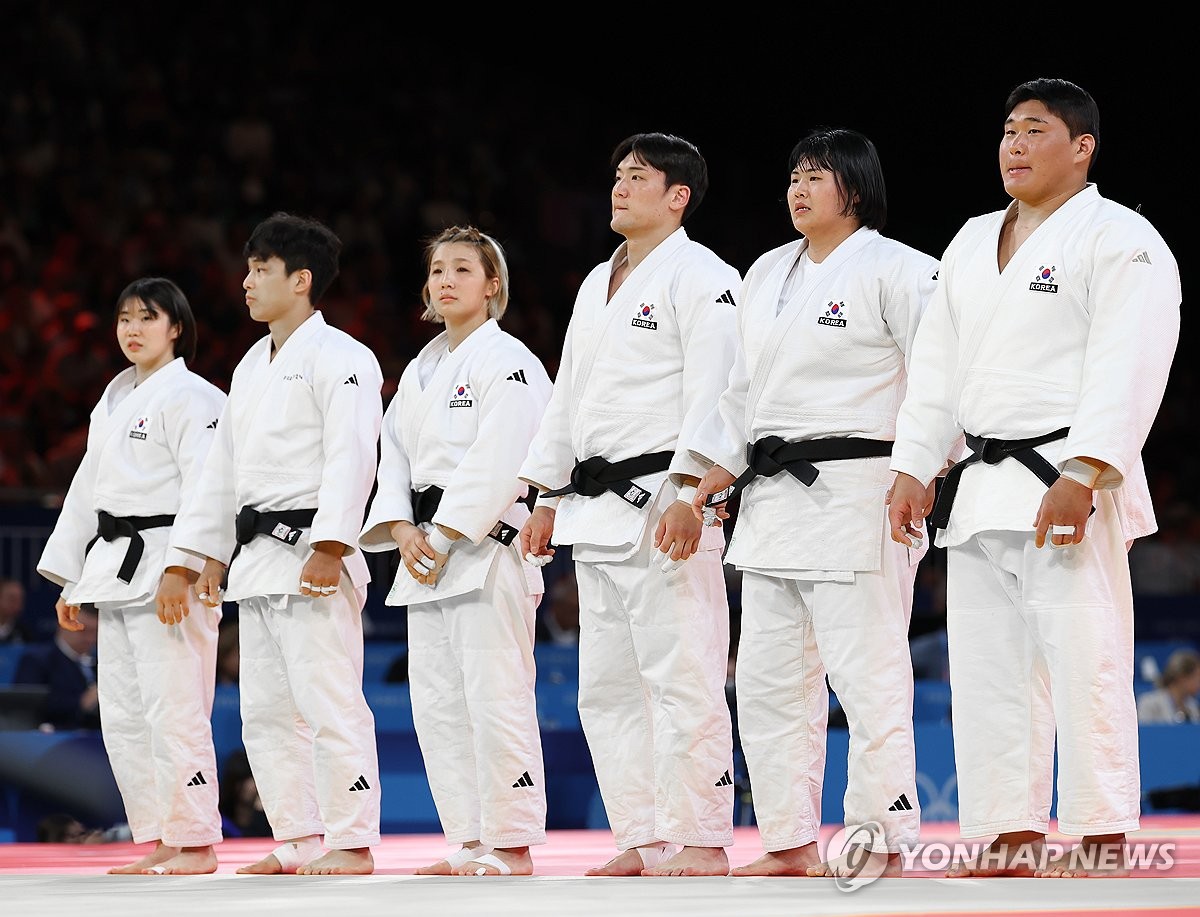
pixel 146 444
pixel 637 376
pixel 824 590
pixel 299 432
pixel 1078 330
pixel 462 420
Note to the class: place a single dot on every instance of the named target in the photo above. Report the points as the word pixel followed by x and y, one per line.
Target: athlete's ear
pixel 302 280
pixel 680 197
pixel 1085 144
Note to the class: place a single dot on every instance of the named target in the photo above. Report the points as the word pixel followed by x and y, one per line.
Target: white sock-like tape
pixel 294 854
pixel 687 493
pixel 654 854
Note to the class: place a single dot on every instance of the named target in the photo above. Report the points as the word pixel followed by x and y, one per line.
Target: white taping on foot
pixel 464 855
pixel 493 861
pixel 294 854
pixel 654 854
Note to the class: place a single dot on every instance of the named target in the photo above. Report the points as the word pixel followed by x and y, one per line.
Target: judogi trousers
pixel 308 732
pixel 156 693
pixel 471 674
pixel 794 633
pixel 653 656
pixel 1040 638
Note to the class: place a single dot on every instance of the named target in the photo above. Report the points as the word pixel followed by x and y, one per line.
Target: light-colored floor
pixel 54 880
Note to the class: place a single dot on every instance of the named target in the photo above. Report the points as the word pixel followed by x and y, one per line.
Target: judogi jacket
pixel 1078 330
pixel 298 432
pixel 145 447
pixel 466 430
pixel 831 364
pixel 638 374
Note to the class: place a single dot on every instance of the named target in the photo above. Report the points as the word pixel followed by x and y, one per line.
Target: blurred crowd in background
pixel 124 155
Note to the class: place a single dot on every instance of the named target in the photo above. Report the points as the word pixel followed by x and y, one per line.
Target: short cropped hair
pixel 158 294
pixel 854 162
pixel 1073 104
pixel 491 256
pixel 301 243
pixel 679 160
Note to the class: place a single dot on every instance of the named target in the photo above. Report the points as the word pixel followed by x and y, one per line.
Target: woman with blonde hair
pixel 454 437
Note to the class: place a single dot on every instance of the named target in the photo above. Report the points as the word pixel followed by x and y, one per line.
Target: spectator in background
pixel 229 657
pixel 67 665
pixel 12 607
pixel 241 808
pixel 558 619
pixel 1174 700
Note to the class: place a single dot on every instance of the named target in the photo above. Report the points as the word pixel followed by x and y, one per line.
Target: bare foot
pixel 626 863
pixel 1098 857
pixel 287 858
pixel 447 866
pixel 693 861
pixel 793 862
pixel 267 866
pixel 190 861
pixel 517 859
pixel 357 862
pixel 1017 853
pixel 160 854
pixel 861 863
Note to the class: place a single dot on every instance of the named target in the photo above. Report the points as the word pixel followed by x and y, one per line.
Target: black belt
pixel 425 504
pixel 282 525
pixel 991 452
pixel 773 454
pixel 114 527
pixel 594 476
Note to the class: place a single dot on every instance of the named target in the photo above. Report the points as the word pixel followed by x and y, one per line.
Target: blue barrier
pixel 42 773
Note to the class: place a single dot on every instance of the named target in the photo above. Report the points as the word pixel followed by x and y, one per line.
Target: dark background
pixel 141 138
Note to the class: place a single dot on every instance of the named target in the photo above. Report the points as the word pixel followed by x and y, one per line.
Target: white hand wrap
pixel 687 493
pixel 1081 473
pixel 538 560
pixel 669 565
pixel 440 541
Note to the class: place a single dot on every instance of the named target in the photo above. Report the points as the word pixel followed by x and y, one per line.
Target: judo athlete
pixel 803 433
pixel 647 353
pixel 1047 345
pixel 285 485
pixel 448 497
pixel 147 439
